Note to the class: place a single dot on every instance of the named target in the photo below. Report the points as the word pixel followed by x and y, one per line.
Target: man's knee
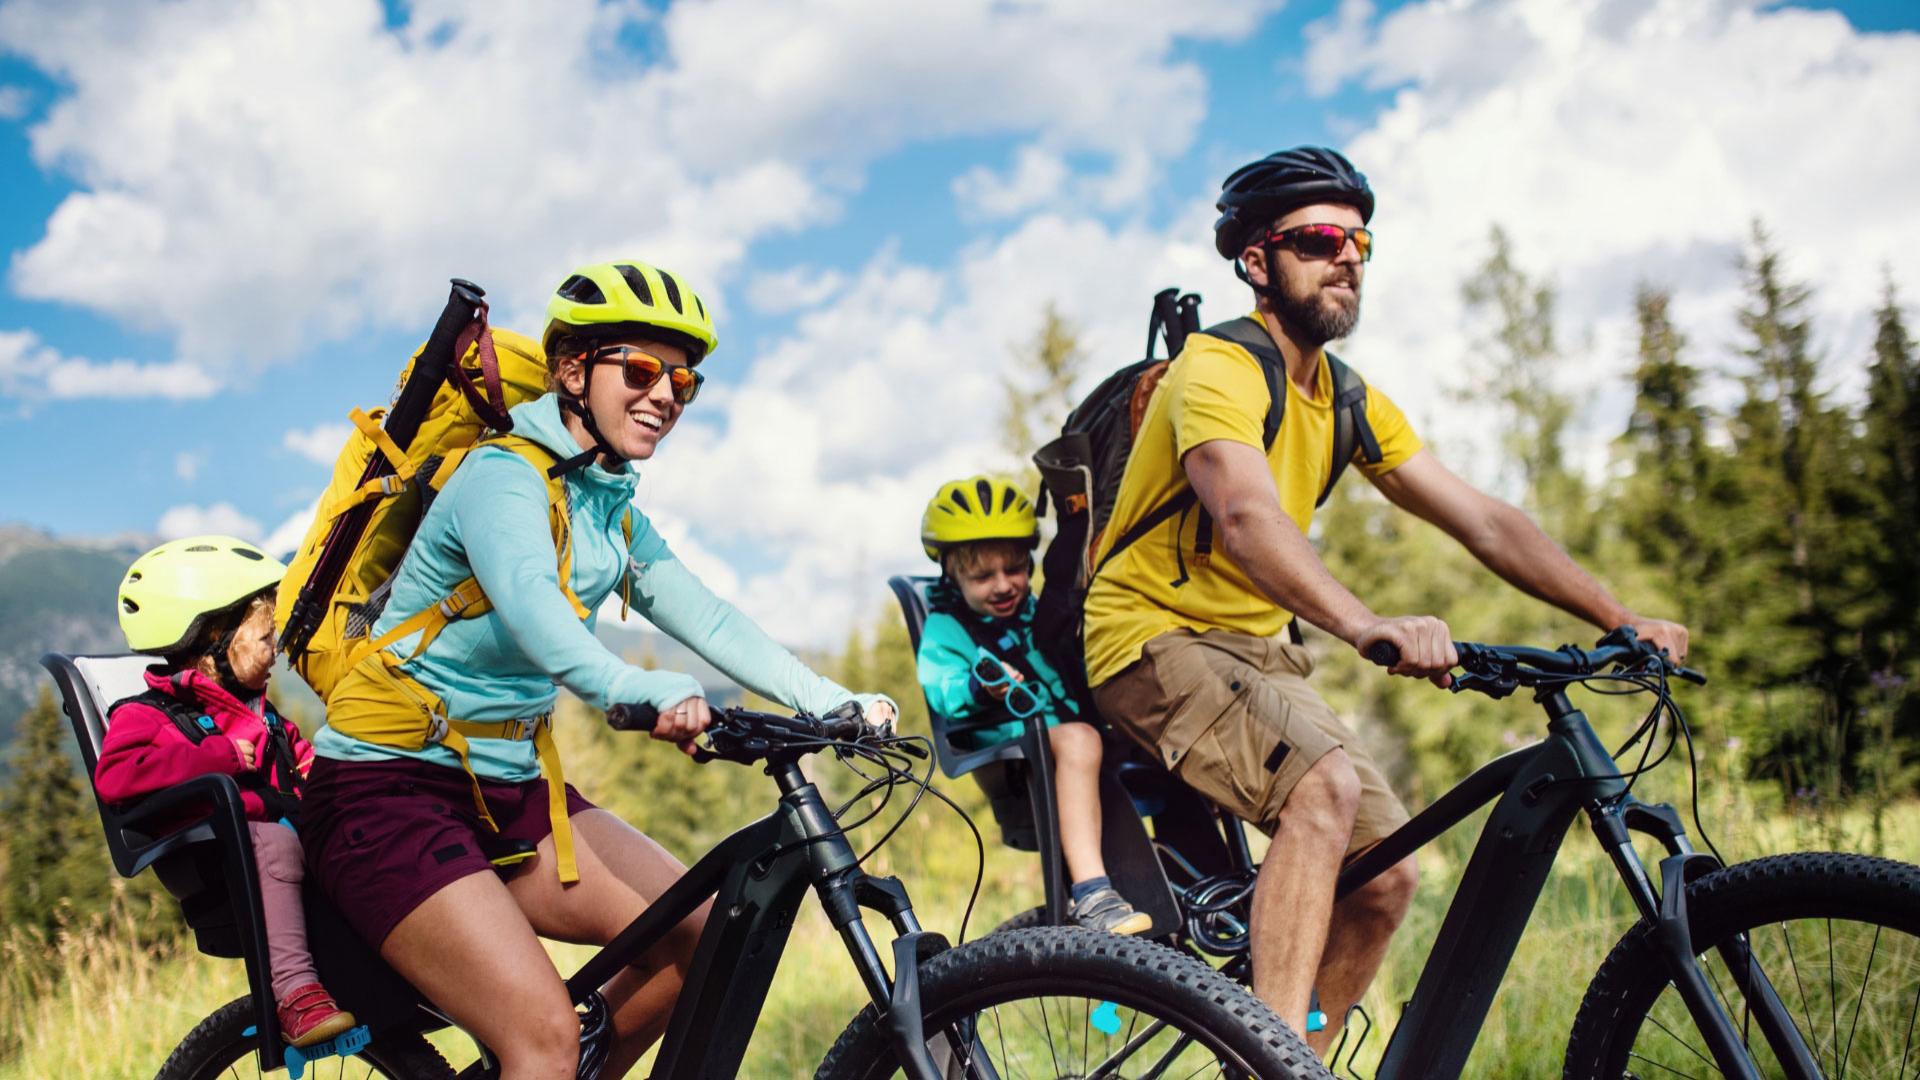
pixel 1327 797
pixel 1389 895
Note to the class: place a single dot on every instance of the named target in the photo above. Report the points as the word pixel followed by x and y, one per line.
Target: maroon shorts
pixel 382 837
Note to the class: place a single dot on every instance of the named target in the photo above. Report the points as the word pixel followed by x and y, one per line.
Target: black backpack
pixel 1080 471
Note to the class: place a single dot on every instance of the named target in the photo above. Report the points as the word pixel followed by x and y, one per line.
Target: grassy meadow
pixel 100 1007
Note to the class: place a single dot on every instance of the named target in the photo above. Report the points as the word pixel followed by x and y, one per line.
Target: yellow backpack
pixel 454 424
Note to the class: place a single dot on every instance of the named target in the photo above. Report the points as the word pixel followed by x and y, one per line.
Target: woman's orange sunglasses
pixel 641 369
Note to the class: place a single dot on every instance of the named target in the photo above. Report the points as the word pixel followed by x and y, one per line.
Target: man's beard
pixel 1317 316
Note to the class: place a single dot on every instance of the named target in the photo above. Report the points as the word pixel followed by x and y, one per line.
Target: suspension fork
pixel 844 889
pixel 1666 911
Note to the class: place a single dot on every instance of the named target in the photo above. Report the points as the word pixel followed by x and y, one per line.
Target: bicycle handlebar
pixel 743 734
pixel 1527 666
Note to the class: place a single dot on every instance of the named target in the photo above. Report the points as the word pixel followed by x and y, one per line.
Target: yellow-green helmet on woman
pixel 171 593
pixel 607 299
pixel 977 508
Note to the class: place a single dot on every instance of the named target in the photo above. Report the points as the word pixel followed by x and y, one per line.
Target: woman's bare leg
pixel 473 934
pixel 621 872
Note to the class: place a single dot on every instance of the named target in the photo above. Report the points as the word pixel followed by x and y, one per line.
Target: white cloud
pixel 220 518
pixel 286 536
pixel 257 178
pixel 829 449
pixel 1618 143
pixel 794 289
pixel 1037 178
pixel 32 370
pixel 188 463
pixel 14 101
pixel 319 444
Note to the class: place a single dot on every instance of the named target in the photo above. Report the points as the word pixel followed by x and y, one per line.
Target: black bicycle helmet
pixel 1258 193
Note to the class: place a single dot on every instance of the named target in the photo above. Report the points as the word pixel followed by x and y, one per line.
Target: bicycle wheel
pixel 1838 939
pixel 1064 1002
pixel 223 1045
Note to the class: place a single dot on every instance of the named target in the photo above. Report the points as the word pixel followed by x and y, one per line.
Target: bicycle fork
pixel 843 889
pixel 1666 911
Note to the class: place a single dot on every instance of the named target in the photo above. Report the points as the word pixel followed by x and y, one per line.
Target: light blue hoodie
pixel 490 523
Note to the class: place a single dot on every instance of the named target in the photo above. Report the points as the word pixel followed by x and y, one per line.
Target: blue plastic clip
pixel 1316 1021
pixel 346 1044
pixel 1106 1018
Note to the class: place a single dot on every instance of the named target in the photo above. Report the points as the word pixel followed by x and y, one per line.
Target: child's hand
pixel 245 749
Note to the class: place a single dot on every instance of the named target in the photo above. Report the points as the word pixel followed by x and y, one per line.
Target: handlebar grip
pixel 1384 653
pixel 640 717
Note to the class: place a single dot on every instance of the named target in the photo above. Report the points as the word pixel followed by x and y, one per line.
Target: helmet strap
pixel 600 447
pixel 1270 290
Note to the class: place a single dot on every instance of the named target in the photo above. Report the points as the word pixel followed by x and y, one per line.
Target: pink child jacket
pixel 144 751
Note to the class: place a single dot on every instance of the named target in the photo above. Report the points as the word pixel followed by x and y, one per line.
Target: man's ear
pixel 1254 259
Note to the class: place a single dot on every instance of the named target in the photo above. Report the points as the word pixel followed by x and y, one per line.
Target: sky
pixel 228 223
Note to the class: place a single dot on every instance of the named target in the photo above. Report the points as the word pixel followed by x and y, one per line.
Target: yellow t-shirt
pixel 1214 390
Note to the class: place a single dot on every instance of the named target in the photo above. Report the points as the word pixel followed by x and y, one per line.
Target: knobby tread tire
pixel 1801 885
pixel 217 1042
pixel 1004 965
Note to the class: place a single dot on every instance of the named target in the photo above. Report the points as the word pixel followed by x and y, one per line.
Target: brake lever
pixel 1491 685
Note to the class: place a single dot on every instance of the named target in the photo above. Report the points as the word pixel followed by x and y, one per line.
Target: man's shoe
pixel 309 1016
pixel 1104 909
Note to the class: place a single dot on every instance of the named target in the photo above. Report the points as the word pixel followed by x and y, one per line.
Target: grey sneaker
pixel 1104 909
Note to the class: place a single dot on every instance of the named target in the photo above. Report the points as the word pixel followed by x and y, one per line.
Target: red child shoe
pixel 309 1016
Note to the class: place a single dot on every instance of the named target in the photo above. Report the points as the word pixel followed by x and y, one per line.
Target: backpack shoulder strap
pixel 1250 334
pixel 187 718
pixel 468 600
pixel 1351 432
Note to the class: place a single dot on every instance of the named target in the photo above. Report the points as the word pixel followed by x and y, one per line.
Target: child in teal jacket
pixel 978 660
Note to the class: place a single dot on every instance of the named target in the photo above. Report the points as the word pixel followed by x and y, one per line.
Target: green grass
pixel 93 1006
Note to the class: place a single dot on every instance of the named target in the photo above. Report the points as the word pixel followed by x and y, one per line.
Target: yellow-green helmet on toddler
pixel 977 508
pixel 171 593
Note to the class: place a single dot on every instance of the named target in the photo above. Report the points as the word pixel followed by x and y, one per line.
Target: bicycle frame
pixel 1541 788
pixel 758 878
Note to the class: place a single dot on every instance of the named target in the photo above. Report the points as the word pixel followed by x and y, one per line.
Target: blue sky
pixel 253 209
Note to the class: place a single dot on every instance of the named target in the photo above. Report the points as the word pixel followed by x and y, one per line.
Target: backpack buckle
pixel 436 727
pixel 521 730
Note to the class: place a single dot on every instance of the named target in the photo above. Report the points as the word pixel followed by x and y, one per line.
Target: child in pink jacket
pixel 205 605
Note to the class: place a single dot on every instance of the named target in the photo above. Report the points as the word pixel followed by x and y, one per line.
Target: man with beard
pixel 1183 621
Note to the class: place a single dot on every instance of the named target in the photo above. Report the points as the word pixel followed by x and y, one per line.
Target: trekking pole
pixel 465 306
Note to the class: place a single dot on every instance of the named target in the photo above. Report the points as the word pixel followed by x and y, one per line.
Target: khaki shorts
pixel 1233 717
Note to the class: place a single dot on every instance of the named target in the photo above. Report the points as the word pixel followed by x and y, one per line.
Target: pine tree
pixel 1666 433
pixel 56 867
pixel 1796 588
pixel 1519 369
pixel 1040 392
pixel 1891 444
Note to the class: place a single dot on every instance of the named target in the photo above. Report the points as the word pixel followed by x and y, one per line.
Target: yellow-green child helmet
pixel 977 508
pixel 606 299
pixel 171 592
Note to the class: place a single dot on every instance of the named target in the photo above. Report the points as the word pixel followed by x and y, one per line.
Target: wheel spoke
pixel 1865 978
pixel 1662 1068
pixel 1806 1007
pixel 1690 1047
pixel 1907 1048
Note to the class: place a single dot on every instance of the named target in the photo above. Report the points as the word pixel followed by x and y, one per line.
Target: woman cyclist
pixel 400 831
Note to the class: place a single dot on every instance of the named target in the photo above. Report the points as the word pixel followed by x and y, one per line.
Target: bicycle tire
pixel 1010 966
pixel 1747 897
pixel 222 1042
